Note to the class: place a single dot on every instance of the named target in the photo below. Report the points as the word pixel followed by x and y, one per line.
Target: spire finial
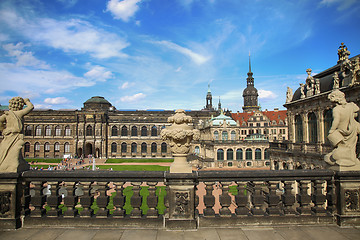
pixel 249 62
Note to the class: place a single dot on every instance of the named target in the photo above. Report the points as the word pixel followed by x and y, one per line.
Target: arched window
pixel 143 147
pixel 47 131
pixel 67 147
pixel 133 147
pixel 124 131
pixel 67 131
pixel 327 123
pixel 37 147
pixel 230 164
pixel 163 147
pixel 28 130
pixel 298 129
pixel 89 130
pixel 38 131
pixel 239 154
pixel 233 135
pixel 258 154
pixel 248 154
pixel 123 147
pixel 216 135
pixel 134 131
pixel 312 123
pixel 248 164
pixel 197 150
pixel 154 131
pixel 47 147
pixel 220 154
pixel 143 131
pixel 224 135
pixel 57 131
pixel 114 147
pixel 266 154
pixel 153 147
pixel 114 131
pixel 27 147
pixel 230 154
pixel 57 147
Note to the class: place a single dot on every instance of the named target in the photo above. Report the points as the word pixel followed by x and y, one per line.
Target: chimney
pixel 276 109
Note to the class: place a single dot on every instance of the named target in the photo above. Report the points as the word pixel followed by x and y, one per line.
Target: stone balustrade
pixel 178 200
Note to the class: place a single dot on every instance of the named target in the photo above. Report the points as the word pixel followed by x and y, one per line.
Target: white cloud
pixel 232 95
pixel 71 35
pixel 68 3
pixel 123 10
pixel 195 57
pixel 343 4
pixel 57 100
pixel 265 94
pixel 24 58
pixel 125 85
pixel 133 98
pixel 178 69
pixel 3 37
pixel 42 106
pixel 98 73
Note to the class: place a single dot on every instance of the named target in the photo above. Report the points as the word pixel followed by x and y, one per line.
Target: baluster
pixel 330 196
pixel 225 200
pixel 136 200
pixel 25 200
pixel 70 200
pixel 38 200
pixel 241 199
pixel 86 200
pixel 209 200
pixel 272 199
pixel 54 200
pixel 257 199
pixel 152 201
pixel 119 200
pixel 288 199
pixel 318 197
pixel 102 200
pixel 303 198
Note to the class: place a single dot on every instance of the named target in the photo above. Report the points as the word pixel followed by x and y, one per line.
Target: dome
pixel 219 120
pixel 97 103
pixel 97 99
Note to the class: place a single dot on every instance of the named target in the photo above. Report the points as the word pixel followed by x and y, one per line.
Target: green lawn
pixel 46 160
pixel 40 166
pixel 138 160
pixel 134 167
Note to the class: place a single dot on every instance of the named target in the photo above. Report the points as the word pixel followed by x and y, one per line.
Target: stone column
pixel 179 136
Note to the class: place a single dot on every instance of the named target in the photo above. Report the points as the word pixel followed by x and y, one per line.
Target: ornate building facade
pixel 310 114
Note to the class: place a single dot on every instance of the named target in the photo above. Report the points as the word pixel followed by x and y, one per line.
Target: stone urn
pixel 179 136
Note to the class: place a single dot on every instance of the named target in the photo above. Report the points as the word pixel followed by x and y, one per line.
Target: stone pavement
pixel 246 233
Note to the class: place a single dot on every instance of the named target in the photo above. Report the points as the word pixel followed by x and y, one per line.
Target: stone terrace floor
pixel 246 233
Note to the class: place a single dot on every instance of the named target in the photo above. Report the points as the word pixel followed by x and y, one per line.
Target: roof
pixel 217 121
pixel 97 99
pixel 271 115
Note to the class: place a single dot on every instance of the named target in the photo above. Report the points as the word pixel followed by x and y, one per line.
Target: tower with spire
pixel 209 100
pixel 219 105
pixel 250 93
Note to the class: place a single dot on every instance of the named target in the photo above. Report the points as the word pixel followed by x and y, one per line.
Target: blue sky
pixel 162 54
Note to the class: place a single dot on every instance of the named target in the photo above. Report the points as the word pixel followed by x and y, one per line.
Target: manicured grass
pixel 40 166
pixel 46 160
pixel 135 167
pixel 140 160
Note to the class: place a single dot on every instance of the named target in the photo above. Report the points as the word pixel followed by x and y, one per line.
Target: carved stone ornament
pixel 343 134
pixel 181 202
pixel 343 53
pixel 5 202
pixel 289 95
pixel 11 125
pixel 179 135
pixel 352 200
pixel 336 83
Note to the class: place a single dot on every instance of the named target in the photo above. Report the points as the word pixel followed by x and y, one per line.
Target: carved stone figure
pixel 180 135
pixel 289 95
pixel 336 83
pixel 356 72
pixel 317 86
pixel 310 83
pixel 343 133
pixel 302 87
pixel 11 125
pixel 343 53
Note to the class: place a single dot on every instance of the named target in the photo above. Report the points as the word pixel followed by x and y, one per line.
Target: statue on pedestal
pixel 289 95
pixel 11 125
pixel 343 134
pixel 180 135
pixel 336 83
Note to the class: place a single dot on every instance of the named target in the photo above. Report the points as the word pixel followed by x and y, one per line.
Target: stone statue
pixel 356 72
pixel 343 133
pixel 180 135
pixel 302 87
pixel 317 86
pixel 310 83
pixel 343 53
pixel 336 83
pixel 289 95
pixel 11 125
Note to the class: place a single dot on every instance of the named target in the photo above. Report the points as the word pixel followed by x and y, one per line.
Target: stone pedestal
pixel 181 199
pixel 180 164
pixel 10 201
